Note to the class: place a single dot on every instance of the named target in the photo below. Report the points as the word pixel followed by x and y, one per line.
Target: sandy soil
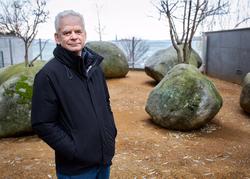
pixel 221 149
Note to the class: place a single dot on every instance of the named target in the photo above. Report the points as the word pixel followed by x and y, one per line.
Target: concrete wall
pixel 227 54
pixel 11 50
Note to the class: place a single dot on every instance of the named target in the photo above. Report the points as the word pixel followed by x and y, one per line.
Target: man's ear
pixel 56 36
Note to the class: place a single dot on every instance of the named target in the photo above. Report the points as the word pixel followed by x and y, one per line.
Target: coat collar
pixel 75 62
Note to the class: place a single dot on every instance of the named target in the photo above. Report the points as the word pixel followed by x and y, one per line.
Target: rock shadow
pixel 151 83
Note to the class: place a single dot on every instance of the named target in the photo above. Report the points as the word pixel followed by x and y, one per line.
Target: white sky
pixel 124 18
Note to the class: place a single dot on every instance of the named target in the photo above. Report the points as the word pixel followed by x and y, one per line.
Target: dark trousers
pixel 101 172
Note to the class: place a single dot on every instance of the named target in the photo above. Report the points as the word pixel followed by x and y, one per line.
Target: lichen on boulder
pixel 245 94
pixel 114 64
pixel 184 99
pixel 16 85
pixel 159 64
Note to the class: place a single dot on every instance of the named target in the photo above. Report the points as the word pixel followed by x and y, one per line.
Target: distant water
pixel 153 46
pixel 47 53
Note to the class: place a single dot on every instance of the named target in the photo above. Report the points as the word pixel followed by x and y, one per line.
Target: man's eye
pixel 78 32
pixel 66 33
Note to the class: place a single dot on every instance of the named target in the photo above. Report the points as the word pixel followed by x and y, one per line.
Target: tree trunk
pixel 26 55
pixel 186 53
pixel 179 56
pixel 179 52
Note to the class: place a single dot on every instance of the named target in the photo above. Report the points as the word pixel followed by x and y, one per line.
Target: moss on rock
pixel 16 83
pixel 115 64
pixel 245 94
pixel 161 62
pixel 184 99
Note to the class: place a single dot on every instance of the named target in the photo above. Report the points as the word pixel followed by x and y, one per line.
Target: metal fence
pixel 46 53
pixel 12 50
pixel 1 59
pixel 227 54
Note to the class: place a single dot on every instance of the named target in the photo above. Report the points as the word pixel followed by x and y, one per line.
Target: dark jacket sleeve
pixel 45 117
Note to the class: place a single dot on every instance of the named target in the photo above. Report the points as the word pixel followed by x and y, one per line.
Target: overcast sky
pixel 121 18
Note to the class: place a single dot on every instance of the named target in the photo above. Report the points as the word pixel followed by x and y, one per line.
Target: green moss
pixel 17 84
pixel 187 100
pixel 164 60
pixel 182 97
pixel 22 89
pixel 7 72
pixel 114 63
pixel 170 91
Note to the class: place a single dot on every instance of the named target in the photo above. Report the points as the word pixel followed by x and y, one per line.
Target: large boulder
pixel 115 64
pixel 184 99
pixel 164 60
pixel 15 98
pixel 245 94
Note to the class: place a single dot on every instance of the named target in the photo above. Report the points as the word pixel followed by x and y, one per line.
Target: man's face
pixel 71 34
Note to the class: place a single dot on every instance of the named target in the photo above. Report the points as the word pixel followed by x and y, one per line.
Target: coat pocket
pixel 88 148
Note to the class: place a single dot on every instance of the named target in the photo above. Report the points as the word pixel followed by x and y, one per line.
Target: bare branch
pixel 184 21
pixel 242 21
pixel 188 14
pixel 22 18
pixel 100 28
pixel 41 51
pixel 134 49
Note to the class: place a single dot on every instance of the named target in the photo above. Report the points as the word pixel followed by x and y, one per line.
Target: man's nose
pixel 73 35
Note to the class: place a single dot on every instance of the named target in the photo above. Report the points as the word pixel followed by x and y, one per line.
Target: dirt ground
pixel 221 149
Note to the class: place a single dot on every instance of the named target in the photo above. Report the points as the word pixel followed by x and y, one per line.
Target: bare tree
pixel 238 16
pixel 100 28
pixel 22 17
pixel 134 49
pixel 241 11
pixel 242 21
pixel 40 52
pixel 184 17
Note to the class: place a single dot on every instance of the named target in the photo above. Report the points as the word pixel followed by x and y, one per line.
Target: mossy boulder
pixel 184 99
pixel 164 60
pixel 115 64
pixel 16 85
pixel 245 94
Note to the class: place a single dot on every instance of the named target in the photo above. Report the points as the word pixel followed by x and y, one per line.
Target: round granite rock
pixel 16 85
pixel 164 60
pixel 184 99
pixel 114 64
pixel 245 94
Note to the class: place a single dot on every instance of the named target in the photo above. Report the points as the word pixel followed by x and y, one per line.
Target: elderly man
pixel 70 105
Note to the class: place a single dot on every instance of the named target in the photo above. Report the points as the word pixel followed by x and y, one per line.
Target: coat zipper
pixel 93 104
pixel 89 68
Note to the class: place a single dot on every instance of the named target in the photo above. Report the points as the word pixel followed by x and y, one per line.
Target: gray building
pixel 11 50
pixel 227 54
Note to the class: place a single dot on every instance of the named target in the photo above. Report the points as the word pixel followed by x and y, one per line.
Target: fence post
pixel 11 55
pixel 133 52
pixel 2 60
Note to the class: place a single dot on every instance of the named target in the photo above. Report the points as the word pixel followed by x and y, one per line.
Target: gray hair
pixel 66 13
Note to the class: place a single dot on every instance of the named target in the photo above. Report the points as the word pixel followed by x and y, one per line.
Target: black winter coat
pixel 71 111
